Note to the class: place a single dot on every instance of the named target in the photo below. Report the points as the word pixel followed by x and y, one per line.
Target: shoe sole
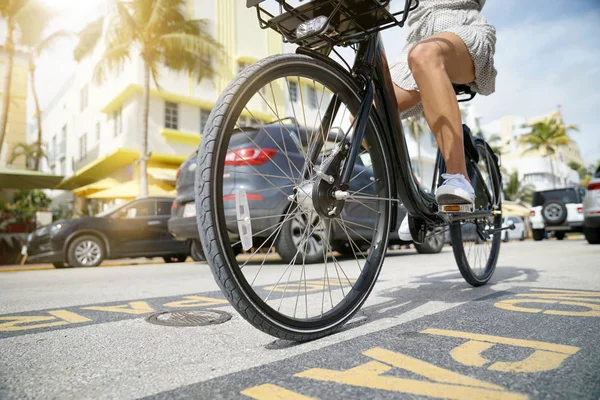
pixel 451 199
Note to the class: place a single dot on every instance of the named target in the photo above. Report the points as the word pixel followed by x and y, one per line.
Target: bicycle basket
pixel 321 23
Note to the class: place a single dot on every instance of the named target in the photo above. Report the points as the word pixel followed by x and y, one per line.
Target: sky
pixel 547 54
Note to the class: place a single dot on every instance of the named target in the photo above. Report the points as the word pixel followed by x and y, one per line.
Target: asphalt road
pixel 533 332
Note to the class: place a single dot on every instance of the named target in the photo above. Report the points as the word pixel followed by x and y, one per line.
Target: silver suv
pixel 557 211
pixel 591 210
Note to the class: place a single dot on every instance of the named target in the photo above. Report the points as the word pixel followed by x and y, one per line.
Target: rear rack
pixel 348 21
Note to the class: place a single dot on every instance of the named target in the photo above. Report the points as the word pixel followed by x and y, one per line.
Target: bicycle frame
pixel 371 69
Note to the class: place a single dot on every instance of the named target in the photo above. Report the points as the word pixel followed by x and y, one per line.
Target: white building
pixel 532 167
pixel 94 131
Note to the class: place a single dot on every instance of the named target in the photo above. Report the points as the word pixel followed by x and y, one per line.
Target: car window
pixel 597 174
pixel 139 210
pixel 564 195
pixel 164 208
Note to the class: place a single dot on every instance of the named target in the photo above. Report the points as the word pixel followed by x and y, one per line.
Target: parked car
pixel 557 211
pixel 269 202
pixel 591 210
pixel 136 229
pixel 515 234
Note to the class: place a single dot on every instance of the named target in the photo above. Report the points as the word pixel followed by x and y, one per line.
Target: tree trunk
pixel 144 155
pixel 38 115
pixel 10 52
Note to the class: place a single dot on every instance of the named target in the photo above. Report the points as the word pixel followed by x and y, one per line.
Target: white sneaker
pixel 456 189
pixel 404 231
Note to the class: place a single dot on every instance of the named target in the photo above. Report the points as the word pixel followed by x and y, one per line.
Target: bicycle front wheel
pixel 266 144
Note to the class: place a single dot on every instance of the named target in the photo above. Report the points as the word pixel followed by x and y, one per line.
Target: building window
pixel 311 95
pixel 171 115
pixel 84 97
pixel 83 146
pixel 98 131
pixel 63 167
pixel 118 119
pixel 203 119
pixel 293 86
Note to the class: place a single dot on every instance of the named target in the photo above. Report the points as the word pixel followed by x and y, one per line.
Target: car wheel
pixel 522 236
pixel 196 251
pixel 538 234
pixel 559 235
pixel 86 251
pixel 291 236
pixel 433 243
pixel 177 258
pixel 60 265
pixel 592 235
pixel 505 238
pixel 554 212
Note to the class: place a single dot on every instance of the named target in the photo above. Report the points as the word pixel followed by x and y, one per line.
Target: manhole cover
pixel 189 318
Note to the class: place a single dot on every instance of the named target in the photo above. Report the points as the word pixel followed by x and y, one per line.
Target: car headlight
pixel 55 228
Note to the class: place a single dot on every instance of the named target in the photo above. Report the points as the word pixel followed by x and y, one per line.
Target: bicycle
pixel 338 183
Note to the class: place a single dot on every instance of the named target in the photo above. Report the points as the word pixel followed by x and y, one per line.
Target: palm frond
pixel 186 52
pixel 88 39
pixel 113 57
pixel 49 41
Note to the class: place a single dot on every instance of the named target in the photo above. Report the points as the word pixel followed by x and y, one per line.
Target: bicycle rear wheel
pixel 476 252
pixel 257 186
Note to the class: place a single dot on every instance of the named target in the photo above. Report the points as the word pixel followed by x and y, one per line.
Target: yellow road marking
pixel 133 307
pixel 69 316
pixel 554 297
pixel 24 322
pixel 369 375
pixel 425 369
pixel 532 344
pixel 309 286
pixel 509 305
pixel 546 357
pixel 469 353
pixel 573 292
pixel 269 391
pixel 196 301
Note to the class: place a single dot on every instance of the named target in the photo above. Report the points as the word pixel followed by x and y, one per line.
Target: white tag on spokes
pixel 242 211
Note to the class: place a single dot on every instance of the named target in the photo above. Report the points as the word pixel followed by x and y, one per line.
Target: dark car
pixel 136 229
pixel 269 203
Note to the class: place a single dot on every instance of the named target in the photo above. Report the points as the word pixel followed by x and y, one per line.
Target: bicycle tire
pixel 211 223
pixel 458 239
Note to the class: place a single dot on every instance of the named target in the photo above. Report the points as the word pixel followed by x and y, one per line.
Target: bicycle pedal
pixel 457 208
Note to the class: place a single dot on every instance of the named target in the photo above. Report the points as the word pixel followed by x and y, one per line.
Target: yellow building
pixel 94 131
pixel 16 128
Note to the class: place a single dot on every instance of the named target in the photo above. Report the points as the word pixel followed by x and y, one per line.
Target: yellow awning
pixel 113 161
pixel 131 190
pixel 512 208
pixel 100 168
pixel 95 187
pixel 163 174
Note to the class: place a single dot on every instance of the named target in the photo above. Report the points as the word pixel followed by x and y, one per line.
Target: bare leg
pixel 436 63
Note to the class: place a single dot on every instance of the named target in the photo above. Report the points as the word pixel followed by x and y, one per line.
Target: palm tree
pixel 416 126
pixel 32 152
pixel 515 191
pixel 160 32
pixel 19 15
pixel 33 38
pixel 547 136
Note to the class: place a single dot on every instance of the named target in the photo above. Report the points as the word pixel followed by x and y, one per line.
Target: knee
pixel 425 57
